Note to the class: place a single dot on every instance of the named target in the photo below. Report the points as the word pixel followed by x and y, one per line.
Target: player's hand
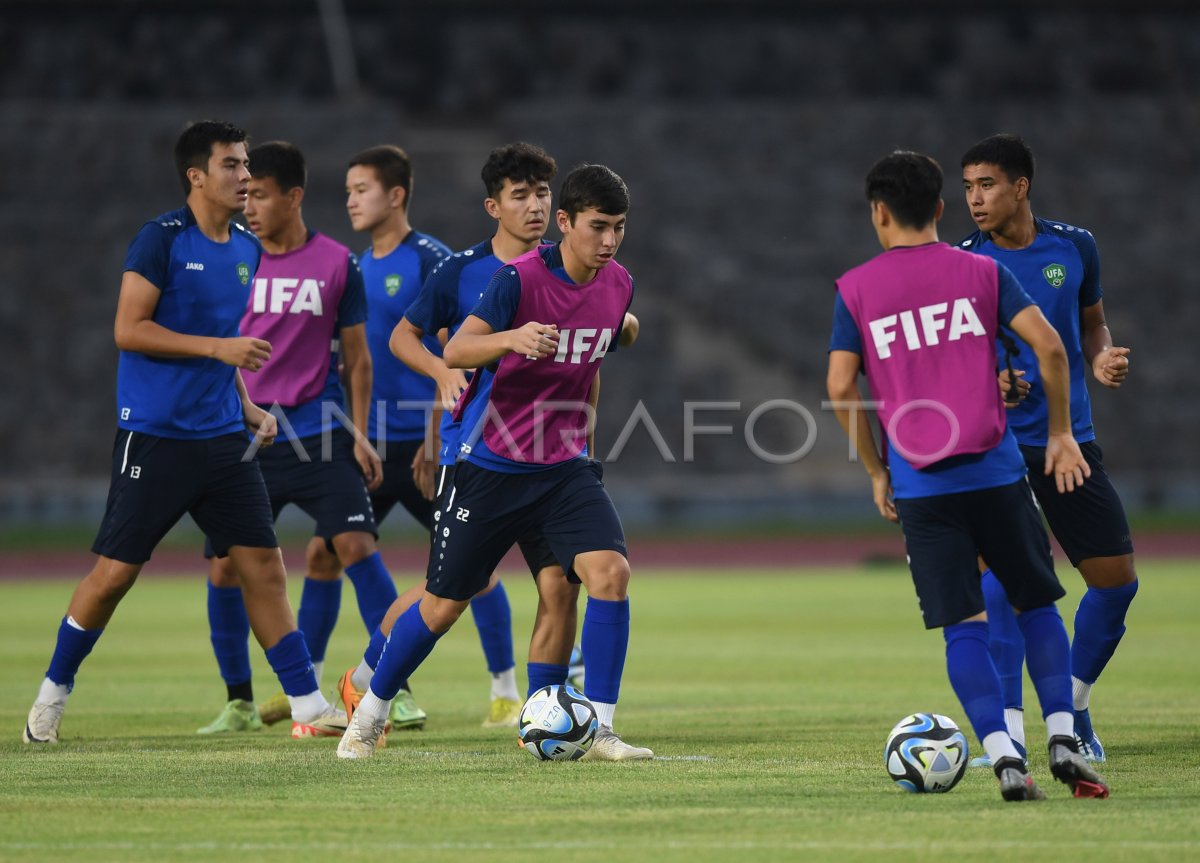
pixel 534 341
pixel 369 463
pixel 261 422
pixel 424 469
pixel 243 352
pixel 1022 387
pixel 1066 462
pixel 881 490
pixel 1111 366
pixel 450 387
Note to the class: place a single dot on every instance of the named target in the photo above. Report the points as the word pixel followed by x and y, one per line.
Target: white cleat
pixel 363 737
pixel 609 747
pixel 43 721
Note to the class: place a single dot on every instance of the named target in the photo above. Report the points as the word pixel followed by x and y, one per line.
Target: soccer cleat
pixel 502 713
pixel 1089 744
pixel 42 724
pixel 1015 782
pixel 406 715
pixel 985 760
pixel 237 715
pixel 1070 768
pixel 331 723
pixel 575 668
pixel 351 698
pixel 363 737
pixel 609 747
pixel 275 709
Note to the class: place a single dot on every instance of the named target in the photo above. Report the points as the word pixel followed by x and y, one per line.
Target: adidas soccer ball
pixel 557 724
pixel 926 752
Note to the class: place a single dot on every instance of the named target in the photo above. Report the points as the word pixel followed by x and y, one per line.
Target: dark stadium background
pixel 743 130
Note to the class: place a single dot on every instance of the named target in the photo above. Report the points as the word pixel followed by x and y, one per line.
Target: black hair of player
pixel 518 162
pixel 282 162
pixel 1007 152
pixel 593 187
pixel 391 165
pixel 909 184
pixel 194 146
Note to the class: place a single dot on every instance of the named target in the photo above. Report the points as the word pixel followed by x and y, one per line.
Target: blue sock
pixel 493 619
pixel 973 676
pixel 605 641
pixel 319 606
pixel 1047 653
pixel 1005 641
pixel 374 588
pixel 229 630
pixel 70 651
pixel 407 646
pixel 375 650
pixel 542 674
pixel 1099 625
pixel 292 665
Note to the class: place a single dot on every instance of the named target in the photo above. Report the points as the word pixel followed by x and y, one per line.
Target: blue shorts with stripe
pixel 488 512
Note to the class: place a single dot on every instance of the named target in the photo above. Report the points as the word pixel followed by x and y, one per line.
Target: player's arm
pixel 842 385
pixel 1063 458
pixel 136 330
pixel 358 374
pixel 406 344
pixel 261 422
pixel 1110 365
pixel 476 344
pixel 629 330
pixel 425 459
pixel 593 405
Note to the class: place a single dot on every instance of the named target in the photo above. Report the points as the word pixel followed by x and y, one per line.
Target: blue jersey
pixel 204 286
pixel 449 294
pixel 392 282
pixel 1001 465
pixel 1060 270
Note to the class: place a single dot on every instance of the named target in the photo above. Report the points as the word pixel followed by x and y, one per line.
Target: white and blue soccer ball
pixel 557 724
pixel 926 752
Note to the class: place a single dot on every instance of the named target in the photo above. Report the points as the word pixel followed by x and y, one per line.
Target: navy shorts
pixel 155 480
pixel 398 486
pixel 328 487
pixel 489 511
pixel 534 547
pixel 1088 522
pixel 945 533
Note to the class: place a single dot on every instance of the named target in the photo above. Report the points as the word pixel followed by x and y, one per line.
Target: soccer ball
pixel 926 752
pixel 557 724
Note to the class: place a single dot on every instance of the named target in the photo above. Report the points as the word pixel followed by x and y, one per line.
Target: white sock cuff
pixel 504 685
pixel 1081 693
pixel 52 692
pixel 1061 724
pixel 306 708
pixel 373 707
pixel 604 712
pixel 999 745
pixel 361 676
pixel 1014 720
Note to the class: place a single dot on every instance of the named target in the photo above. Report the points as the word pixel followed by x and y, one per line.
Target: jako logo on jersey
pixel 576 342
pixel 391 284
pixel 304 298
pixel 359 517
pixel 194 265
pixel 1055 274
pixel 963 321
pixel 243 271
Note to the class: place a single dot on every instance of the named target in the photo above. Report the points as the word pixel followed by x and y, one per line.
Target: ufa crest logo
pixel 243 271
pixel 1055 274
pixel 391 284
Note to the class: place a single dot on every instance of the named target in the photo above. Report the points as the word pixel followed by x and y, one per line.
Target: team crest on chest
pixel 391 284
pixel 243 271
pixel 1055 274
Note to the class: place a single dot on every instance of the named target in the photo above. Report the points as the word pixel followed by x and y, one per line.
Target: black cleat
pixel 1071 768
pixel 1015 781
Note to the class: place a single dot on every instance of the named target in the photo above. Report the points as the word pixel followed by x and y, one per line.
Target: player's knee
pixel 111 580
pixel 606 574
pixel 352 547
pixel 440 614
pixel 222 574
pixel 321 564
pixel 558 594
pixel 261 569
pixel 1108 572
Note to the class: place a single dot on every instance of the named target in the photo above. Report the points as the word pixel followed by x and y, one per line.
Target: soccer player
pixel 920 320
pixel 537 339
pixel 182 415
pixel 307 293
pixel 1058 266
pixel 517 179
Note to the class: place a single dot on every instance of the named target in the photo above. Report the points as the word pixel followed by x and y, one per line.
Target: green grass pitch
pixel 767 696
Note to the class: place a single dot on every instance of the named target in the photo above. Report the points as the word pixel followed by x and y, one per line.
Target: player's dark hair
pixel 194 146
pixel 1007 152
pixel 281 161
pixel 392 166
pixel 519 162
pixel 593 186
pixel 910 184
